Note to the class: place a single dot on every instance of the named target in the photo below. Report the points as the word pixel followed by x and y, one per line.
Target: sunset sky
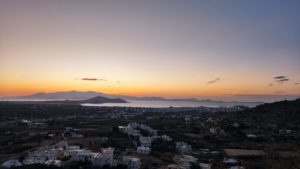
pixel 172 48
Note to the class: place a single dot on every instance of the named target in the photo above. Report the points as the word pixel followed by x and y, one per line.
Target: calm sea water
pixel 162 104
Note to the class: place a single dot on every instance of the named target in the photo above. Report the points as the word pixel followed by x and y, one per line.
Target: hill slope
pixel 282 112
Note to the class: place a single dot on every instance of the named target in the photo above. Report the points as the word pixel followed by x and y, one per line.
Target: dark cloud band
pixel 213 81
pixel 92 79
pixel 280 77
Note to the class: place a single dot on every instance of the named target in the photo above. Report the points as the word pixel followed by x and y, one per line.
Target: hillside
pixel 282 112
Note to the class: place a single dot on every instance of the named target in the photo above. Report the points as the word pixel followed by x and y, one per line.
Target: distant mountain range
pixel 76 96
pixel 93 100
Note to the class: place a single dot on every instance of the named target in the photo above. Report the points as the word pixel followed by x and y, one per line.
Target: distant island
pixel 100 99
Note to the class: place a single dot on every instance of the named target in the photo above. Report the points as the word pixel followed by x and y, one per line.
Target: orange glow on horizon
pixel 203 91
pixel 149 50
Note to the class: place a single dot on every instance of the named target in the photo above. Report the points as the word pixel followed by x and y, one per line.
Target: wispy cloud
pixel 213 81
pixel 296 83
pixel 281 79
pixel 92 79
pixel 271 84
pixel 89 79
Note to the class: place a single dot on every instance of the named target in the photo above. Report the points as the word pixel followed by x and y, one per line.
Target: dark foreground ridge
pixel 282 112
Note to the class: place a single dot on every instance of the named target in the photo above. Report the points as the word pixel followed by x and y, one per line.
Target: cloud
pixel 92 79
pixel 271 84
pixel 89 79
pixel 281 79
pixel 213 81
pixel 296 83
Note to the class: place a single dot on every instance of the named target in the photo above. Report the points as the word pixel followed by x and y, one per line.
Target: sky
pixel 229 50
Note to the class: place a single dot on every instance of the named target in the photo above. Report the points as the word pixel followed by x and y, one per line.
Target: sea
pixel 166 104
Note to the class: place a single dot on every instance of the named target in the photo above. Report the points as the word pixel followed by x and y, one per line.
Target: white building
pixel 183 148
pixel 107 157
pixel 185 161
pixel 41 155
pixel 174 166
pixel 145 141
pixel 80 154
pixel 54 162
pixel 69 129
pixel 133 125
pixel 143 150
pixel 166 138
pixel 237 167
pixel 132 162
pixel 213 130
pixel 230 161
pixel 134 132
pixel 130 131
pixel 24 121
pixel 103 158
pixel 62 144
pixel 252 136
pixel 205 166
pixel 150 130
pixel 48 155
pixel 11 163
pixel 71 148
pixel 76 135
pixel 122 129
pixel 188 119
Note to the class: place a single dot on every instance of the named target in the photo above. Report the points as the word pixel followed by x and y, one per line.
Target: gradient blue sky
pixel 170 48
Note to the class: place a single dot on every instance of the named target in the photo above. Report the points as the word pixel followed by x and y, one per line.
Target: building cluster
pixel 183 162
pixel 183 148
pixel 143 137
pixel 126 113
pixel 131 162
pixel 135 130
pixel 61 154
pixel 38 123
pixel 53 155
pixel 105 157
pixel 70 132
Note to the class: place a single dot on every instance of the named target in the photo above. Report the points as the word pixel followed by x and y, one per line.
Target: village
pixel 146 138
pixel 61 153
